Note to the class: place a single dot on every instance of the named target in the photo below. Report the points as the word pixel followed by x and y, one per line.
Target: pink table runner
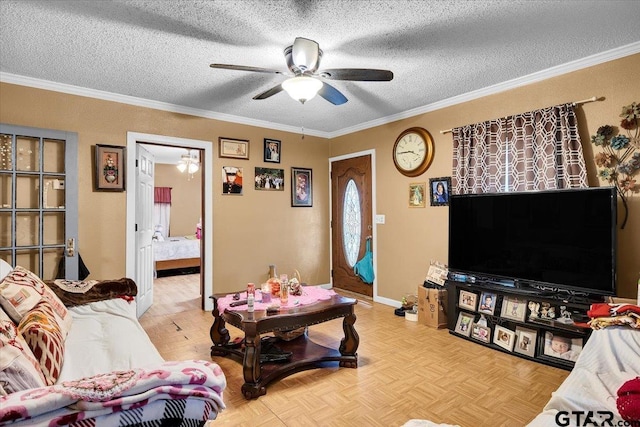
pixel 310 295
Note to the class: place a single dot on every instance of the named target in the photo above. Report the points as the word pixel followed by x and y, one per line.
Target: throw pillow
pixel 19 369
pixel 42 333
pixel 21 290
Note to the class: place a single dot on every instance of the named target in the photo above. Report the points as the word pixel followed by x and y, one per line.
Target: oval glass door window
pixel 351 223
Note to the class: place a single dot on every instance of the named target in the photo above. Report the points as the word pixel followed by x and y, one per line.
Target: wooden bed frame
pixel 177 263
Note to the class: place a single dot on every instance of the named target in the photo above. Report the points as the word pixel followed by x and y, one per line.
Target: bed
pixel 176 252
pixel 609 359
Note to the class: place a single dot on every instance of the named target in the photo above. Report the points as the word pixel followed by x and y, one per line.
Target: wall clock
pixel 413 151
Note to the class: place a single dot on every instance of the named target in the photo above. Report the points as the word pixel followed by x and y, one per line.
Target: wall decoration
pixel 301 187
pixel 439 189
pixel 417 194
pixel 231 180
pixel 272 150
pixel 233 148
pixel 109 168
pixel 619 160
pixel 269 179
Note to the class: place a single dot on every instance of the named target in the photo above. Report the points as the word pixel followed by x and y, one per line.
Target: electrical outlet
pixel 380 219
pixel 58 184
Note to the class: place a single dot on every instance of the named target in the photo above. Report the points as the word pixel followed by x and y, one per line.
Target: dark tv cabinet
pixel 545 327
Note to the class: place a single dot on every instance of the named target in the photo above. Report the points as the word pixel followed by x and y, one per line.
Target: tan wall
pixel 261 228
pixel 411 237
pixel 250 231
pixel 186 198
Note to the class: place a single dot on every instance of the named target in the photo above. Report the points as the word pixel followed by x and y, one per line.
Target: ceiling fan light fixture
pixel 189 164
pixel 302 88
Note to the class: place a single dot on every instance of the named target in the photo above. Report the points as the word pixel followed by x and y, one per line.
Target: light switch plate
pixel 380 219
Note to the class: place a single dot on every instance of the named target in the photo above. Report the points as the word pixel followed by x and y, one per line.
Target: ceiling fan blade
pixel 246 68
pixel 357 74
pixel 305 54
pixel 332 94
pixel 267 93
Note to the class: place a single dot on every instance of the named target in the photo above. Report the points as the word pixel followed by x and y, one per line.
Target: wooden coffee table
pixel 306 353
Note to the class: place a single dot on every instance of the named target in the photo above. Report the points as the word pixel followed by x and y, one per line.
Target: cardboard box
pixel 432 307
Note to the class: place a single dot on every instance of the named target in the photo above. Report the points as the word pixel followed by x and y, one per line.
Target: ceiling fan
pixel 303 60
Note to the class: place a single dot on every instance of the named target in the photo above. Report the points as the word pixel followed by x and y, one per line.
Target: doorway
pixel 352 214
pixel 206 151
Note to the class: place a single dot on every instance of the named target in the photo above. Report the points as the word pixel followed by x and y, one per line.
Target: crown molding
pixel 568 67
pixel 589 61
pixel 147 103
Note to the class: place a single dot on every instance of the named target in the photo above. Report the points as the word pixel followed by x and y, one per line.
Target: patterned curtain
pixel 537 150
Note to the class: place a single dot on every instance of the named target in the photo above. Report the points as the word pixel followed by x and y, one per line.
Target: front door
pixel 351 218
pixel 144 228
pixel 39 200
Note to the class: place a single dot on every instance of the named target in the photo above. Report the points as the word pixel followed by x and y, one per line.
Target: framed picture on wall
pixel 232 180
pixel 416 194
pixel 301 187
pixel 269 179
pixel 272 152
pixel 439 189
pixel 233 148
pixel 109 167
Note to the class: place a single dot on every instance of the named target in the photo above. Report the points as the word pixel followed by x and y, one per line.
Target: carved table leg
pixel 219 333
pixel 350 342
pixel 251 367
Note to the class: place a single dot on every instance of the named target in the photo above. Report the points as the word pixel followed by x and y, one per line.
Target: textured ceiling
pixel 161 50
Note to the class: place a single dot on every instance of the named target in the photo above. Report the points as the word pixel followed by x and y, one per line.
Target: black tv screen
pixel 561 238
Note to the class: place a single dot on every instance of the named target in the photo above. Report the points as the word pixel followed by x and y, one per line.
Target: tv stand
pixel 520 319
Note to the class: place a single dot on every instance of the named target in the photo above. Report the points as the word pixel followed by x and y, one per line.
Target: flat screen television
pixel 563 239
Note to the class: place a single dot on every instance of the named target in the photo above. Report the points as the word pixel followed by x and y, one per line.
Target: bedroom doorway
pixel 202 193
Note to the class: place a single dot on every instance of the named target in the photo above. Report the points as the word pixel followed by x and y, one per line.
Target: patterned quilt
pixel 185 393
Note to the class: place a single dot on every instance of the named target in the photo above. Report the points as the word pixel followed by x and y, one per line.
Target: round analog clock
pixel 413 151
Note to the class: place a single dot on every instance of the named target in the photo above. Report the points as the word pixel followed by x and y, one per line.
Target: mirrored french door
pixel 39 200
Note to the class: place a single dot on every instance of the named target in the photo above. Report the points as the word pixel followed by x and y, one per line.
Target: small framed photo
pixel 272 150
pixel 514 308
pixel 301 187
pixel 487 302
pixel 231 180
pixel 109 167
pixel 504 338
pixel 439 189
pixel 480 332
pixel 468 300
pixel 525 341
pixel 562 346
pixel 463 327
pixel 416 194
pixel 268 179
pixel 233 148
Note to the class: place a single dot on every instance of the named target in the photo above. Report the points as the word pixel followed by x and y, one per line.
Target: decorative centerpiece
pixel 620 159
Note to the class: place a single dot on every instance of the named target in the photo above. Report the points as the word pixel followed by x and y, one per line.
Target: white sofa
pixel 111 374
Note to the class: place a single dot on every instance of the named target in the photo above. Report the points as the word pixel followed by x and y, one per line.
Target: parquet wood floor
pixel 406 371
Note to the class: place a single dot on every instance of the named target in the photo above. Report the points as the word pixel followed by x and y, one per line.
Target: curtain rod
pixel 584 101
